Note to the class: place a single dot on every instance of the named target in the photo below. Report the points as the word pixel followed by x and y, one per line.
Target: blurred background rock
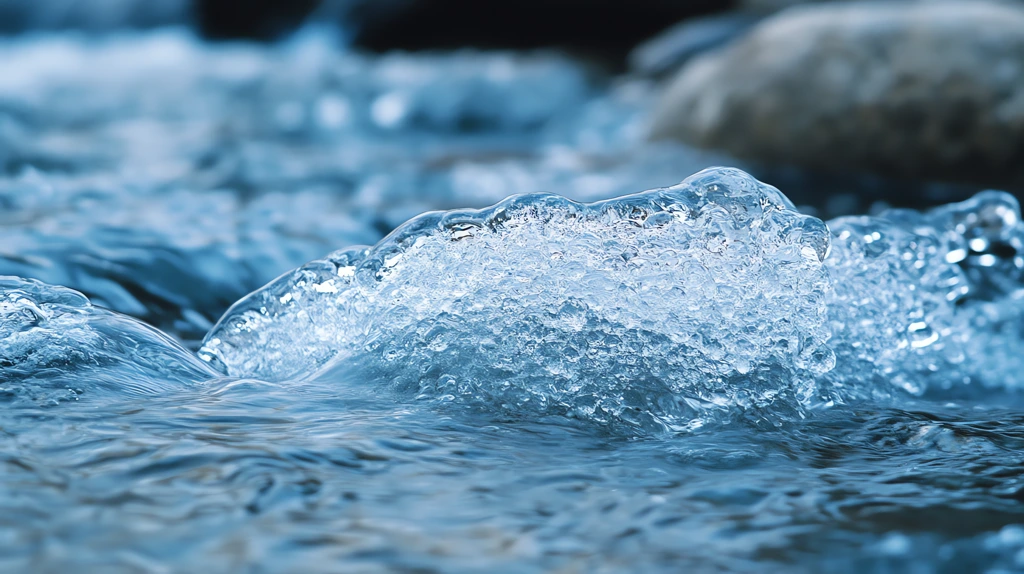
pixel 911 90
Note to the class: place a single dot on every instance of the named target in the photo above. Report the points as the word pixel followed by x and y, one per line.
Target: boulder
pixel 929 91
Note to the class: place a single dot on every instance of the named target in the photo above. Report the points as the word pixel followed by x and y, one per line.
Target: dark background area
pixel 608 28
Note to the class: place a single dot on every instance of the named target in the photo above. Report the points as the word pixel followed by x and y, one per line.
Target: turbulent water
pixel 697 377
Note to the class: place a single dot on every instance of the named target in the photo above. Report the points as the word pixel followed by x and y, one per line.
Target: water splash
pixel 54 345
pixel 648 309
pixel 925 301
pixel 665 309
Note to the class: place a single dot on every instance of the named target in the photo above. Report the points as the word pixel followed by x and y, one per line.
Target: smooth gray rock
pixel 915 90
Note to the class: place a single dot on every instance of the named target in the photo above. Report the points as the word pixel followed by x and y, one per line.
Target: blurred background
pixel 168 157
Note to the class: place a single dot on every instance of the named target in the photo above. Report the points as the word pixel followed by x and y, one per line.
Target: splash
pixel 647 309
pixel 668 309
pixel 929 302
pixel 54 346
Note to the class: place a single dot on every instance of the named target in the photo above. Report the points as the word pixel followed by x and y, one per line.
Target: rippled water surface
pixel 269 478
pixel 698 378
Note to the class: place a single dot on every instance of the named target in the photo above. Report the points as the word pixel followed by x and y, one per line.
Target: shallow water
pixel 167 179
pixel 271 478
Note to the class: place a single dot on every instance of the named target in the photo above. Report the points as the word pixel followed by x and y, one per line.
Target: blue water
pixel 853 412
pixel 258 477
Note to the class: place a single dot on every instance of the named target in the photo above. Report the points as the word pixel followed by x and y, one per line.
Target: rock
pixel 911 90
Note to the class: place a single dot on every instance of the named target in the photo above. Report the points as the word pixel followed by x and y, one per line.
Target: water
pixel 771 395
pixel 232 164
pixel 246 475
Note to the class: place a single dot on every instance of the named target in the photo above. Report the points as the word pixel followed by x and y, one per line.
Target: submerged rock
pixel 917 90
pixel 54 345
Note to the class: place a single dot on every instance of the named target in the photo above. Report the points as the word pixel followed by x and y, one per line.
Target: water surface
pixel 167 179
